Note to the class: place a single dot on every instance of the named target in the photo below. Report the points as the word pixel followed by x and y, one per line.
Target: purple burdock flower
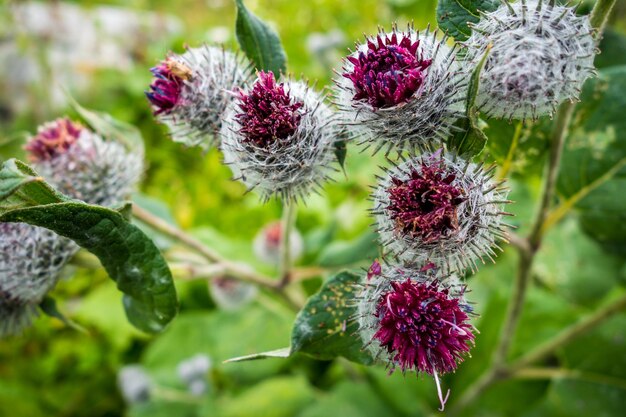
pixel 440 210
pixel 401 90
pixel 422 327
pixel 424 205
pixel 166 87
pixel 415 320
pixel 389 72
pixel 53 139
pixel 268 112
pixel 278 136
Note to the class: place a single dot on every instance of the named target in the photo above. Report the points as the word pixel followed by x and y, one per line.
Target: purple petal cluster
pixel 268 112
pixel 166 87
pixel 389 72
pixel 422 327
pixel 53 139
pixel 424 206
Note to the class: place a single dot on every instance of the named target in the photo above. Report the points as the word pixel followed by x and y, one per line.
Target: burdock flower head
pixel 31 259
pixel 83 165
pixel 440 209
pixel 541 54
pixel 278 137
pixel 401 90
pixel 190 92
pixel 413 321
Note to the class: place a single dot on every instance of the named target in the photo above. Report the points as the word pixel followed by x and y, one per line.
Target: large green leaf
pixel 453 16
pixel 326 327
pixel 347 253
pixel 593 170
pixel 260 42
pixel 128 255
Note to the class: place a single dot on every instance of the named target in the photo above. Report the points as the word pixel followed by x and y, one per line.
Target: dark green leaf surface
pixel 594 157
pixel 128 255
pixel 346 253
pixel 454 15
pixel 326 328
pixel 259 42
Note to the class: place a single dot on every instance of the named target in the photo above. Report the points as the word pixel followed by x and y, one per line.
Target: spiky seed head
pixel 95 170
pixel 31 259
pixel 190 92
pixel 278 138
pixel 267 243
pixel 411 320
pixel 401 90
pixel 439 209
pixel 541 54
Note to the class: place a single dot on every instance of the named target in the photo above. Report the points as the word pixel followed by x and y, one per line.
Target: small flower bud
pixel 231 294
pixel 541 54
pixel 439 209
pixel 267 243
pixel 401 90
pixel 278 138
pixel 190 92
pixel 134 384
pixel 193 372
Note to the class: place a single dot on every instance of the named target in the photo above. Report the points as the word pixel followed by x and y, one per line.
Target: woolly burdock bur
pixel 82 164
pixel 440 209
pixel 541 54
pixel 415 322
pixel 278 138
pixel 401 90
pixel 190 92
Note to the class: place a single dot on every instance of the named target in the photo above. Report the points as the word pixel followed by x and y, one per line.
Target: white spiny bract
pixel 540 56
pixel 439 209
pixel 278 138
pixel 190 92
pixel 401 90
pixel 95 170
pixel 31 259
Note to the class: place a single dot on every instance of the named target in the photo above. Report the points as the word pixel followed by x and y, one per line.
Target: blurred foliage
pixel 52 370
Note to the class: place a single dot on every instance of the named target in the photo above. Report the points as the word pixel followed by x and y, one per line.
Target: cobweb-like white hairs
pixel 94 170
pixel 540 56
pixel 31 259
pixel 426 119
pixel 477 226
pixel 288 168
pixel 215 74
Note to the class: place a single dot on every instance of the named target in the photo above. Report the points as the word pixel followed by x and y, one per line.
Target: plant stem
pixel 569 334
pixel 600 14
pixel 286 228
pixel 236 270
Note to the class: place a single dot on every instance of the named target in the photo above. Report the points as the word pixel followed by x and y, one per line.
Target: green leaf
pixel 326 327
pixel 110 128
pixel 259 42
pixel 346 253
pixel 340 152
pixel 128 255
pixel 470 139
pixel 277 353
pixel 613 49
pixel 453 16
pixel 49 306
pixel 593 167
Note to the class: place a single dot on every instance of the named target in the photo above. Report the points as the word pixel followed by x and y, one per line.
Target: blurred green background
pixel 101 52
